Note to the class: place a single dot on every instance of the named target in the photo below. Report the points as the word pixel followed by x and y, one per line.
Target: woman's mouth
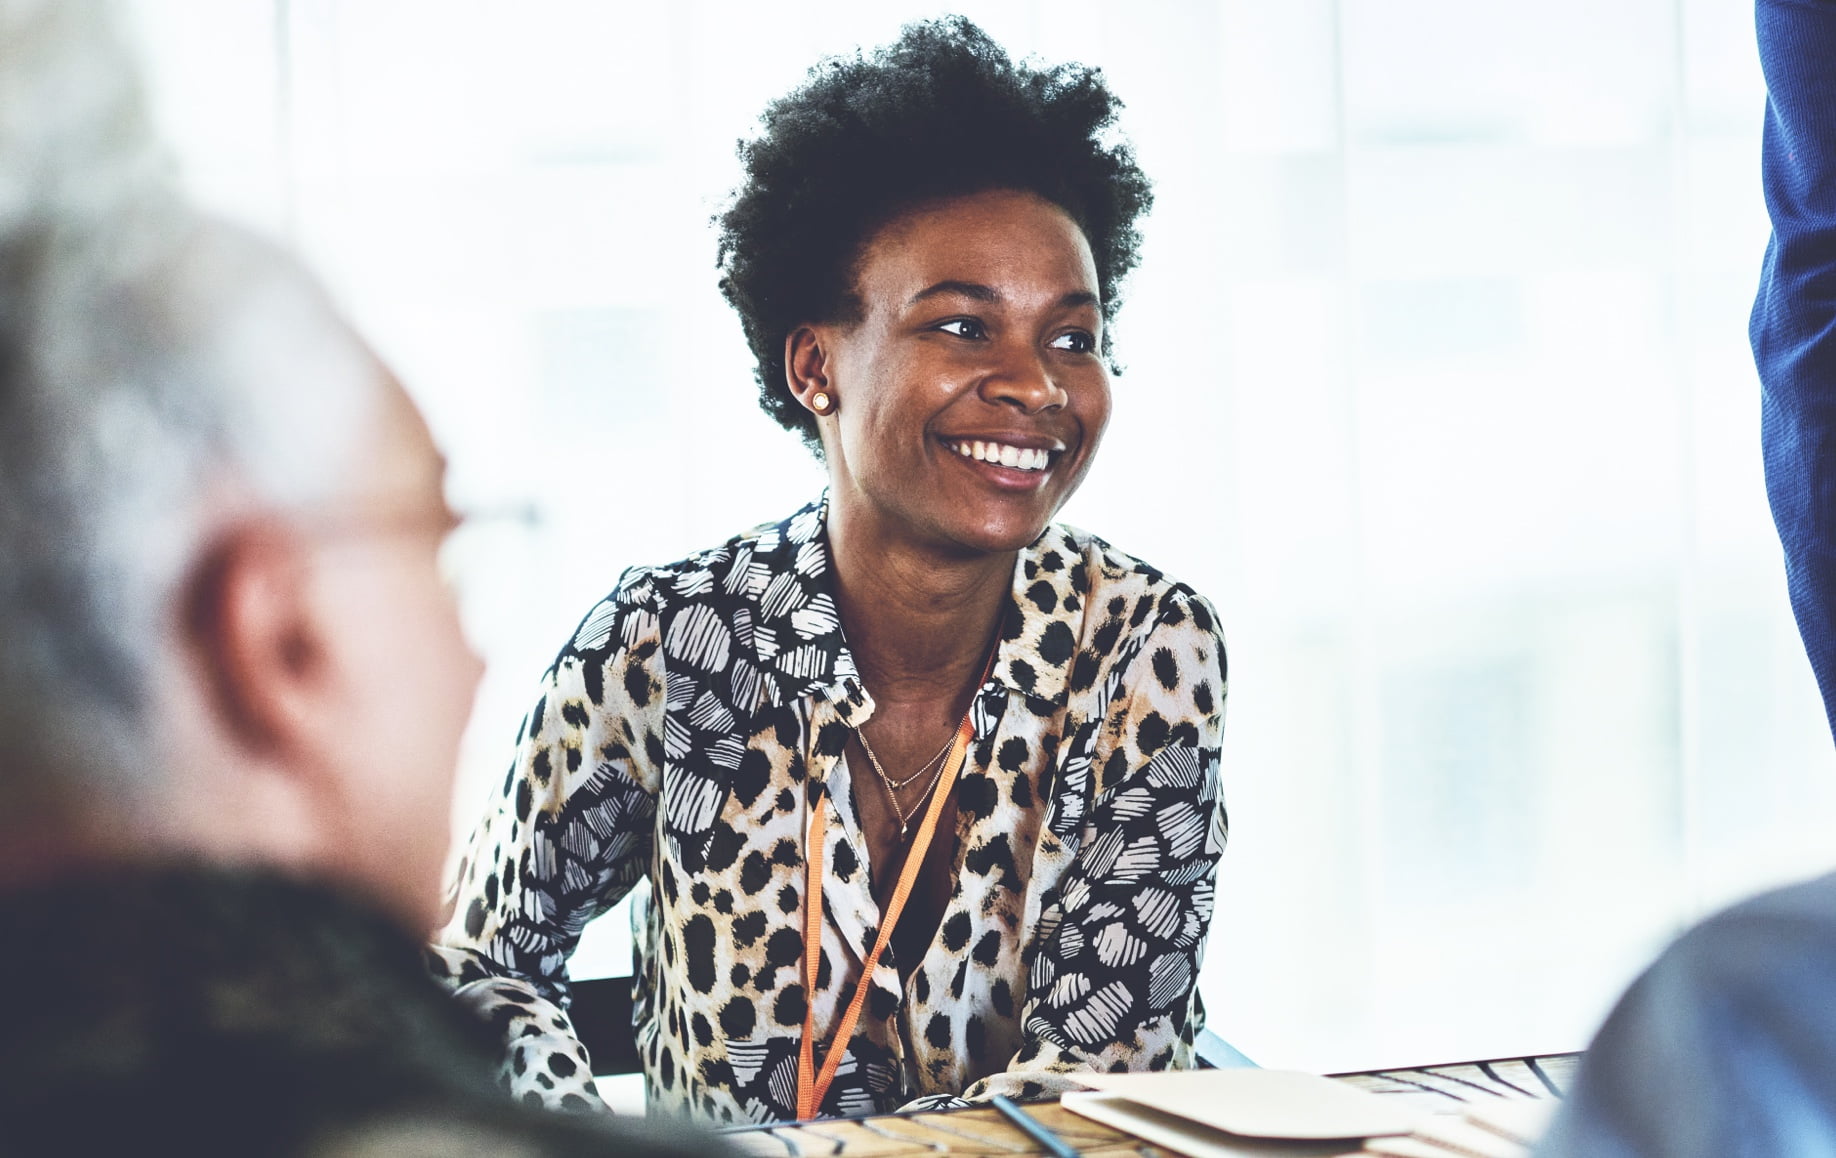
pixel 1026 458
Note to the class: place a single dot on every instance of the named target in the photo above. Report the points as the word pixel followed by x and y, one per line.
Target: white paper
pixel 1256 1103
pixel 1177 1134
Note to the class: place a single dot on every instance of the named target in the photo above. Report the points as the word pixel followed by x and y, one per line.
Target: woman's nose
pixel 1021 379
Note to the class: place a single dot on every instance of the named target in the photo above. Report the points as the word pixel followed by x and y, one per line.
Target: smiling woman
pixel 977 340
pixel 925 784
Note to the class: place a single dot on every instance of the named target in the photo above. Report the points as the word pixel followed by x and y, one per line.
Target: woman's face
pixel 971 395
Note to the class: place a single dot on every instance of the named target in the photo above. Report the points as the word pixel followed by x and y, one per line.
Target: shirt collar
pixel 798 639
pixel 1039 631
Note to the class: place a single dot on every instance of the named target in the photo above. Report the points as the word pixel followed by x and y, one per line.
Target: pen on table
pixel 1032 1127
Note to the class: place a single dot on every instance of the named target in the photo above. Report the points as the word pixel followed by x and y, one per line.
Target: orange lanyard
pixel 811 1086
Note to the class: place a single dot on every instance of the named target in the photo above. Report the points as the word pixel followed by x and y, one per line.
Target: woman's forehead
pixel 1012 242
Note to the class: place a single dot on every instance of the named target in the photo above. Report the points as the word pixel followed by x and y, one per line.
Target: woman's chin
pixel 997 535
pixel 963 524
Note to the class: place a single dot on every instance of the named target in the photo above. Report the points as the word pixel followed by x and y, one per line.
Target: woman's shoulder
pixel 1110 586
pixel 1133 654
pixel 1087 612
pixel 793 543
pixel 738 571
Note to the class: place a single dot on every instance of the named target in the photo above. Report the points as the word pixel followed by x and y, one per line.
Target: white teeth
pixel 1013 457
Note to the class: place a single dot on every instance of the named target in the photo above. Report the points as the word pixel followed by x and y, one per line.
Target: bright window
pixel 1438 385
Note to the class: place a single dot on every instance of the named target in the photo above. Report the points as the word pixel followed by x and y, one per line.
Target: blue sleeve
pixel 1794 316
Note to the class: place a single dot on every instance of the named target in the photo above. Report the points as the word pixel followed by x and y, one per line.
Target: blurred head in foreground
pixel 232 683
pixel 223 636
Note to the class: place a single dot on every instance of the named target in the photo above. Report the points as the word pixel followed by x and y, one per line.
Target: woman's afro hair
pixel 941 112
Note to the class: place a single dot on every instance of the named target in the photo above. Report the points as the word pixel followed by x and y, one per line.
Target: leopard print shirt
pixel 699 714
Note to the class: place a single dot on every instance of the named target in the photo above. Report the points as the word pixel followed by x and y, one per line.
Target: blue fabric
pixel 1794 318
pixel 1727 1046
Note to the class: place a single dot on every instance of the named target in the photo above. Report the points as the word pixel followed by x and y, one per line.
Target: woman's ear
pixel 806 370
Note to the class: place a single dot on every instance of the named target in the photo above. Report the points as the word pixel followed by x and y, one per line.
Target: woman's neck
pixel 920 622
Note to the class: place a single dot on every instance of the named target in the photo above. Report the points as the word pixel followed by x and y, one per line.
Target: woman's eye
pixel 1076 341
pixel 963 328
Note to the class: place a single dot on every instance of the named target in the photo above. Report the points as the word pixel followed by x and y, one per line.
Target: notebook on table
pixel 1248 1113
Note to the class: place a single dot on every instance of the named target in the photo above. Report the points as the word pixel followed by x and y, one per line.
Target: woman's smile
pixel 1008 461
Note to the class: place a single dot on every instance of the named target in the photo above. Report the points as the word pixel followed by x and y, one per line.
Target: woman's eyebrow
pixel 983 293
pixel 966 289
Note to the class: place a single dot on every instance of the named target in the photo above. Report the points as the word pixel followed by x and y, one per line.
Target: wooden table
pixel 982 1131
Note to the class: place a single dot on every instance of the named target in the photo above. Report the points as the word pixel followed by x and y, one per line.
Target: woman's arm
pixel 564 840
pixel 1113 964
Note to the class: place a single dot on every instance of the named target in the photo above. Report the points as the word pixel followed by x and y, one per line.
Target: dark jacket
pixel 1794 317
pixel 198 1012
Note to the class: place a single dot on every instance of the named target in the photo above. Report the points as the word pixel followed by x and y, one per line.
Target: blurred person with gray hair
pixel 232 681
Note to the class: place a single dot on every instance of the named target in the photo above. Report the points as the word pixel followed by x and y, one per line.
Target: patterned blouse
pixel 700 712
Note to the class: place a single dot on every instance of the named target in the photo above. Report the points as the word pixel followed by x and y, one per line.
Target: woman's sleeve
pixel 1793 327
pixel 564 839
pixel 1113 964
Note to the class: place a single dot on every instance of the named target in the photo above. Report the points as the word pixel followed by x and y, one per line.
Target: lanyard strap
pixel 811 1086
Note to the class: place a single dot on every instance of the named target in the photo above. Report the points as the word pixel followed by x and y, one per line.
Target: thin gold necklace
pixel 902 785
pixel 903 816
pixel 891 785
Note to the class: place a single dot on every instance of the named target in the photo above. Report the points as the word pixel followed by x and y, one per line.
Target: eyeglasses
pixel 452 526
pixel 479 541
pixel 480 554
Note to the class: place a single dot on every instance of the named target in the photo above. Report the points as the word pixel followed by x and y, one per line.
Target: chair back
pixel 601 1013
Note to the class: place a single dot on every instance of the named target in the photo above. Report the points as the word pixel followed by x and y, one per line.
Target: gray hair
pixel 150 360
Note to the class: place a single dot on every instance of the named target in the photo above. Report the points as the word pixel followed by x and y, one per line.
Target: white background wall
pixel 1437 385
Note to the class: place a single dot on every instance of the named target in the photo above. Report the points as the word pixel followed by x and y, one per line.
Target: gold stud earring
pixel 821 403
